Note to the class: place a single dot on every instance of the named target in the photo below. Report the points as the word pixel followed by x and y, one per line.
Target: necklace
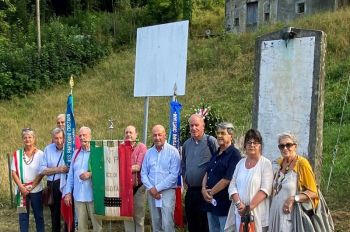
pixel 289 164
pixel 30 160
pixel 280 176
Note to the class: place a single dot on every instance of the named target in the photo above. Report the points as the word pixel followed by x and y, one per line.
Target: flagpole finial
pixel 71 83
pixel 110 127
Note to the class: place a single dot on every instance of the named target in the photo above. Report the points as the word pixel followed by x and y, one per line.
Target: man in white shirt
pixel 160 170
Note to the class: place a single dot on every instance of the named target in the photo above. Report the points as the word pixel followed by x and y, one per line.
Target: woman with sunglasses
pixel 293 182
pixel 25 173
pixel 251 184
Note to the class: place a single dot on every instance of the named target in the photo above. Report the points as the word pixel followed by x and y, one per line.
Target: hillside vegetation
pixel 220 73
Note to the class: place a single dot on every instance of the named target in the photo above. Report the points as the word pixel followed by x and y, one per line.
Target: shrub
pixel 65 51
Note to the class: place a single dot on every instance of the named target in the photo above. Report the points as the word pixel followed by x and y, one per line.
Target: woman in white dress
pixel 293 182
pixel 251 184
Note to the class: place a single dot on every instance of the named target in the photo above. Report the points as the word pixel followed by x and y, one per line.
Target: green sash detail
pixel 97 167
pixel 20 164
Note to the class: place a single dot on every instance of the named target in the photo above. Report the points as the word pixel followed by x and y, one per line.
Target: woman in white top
pixel 251 184
pixel 25 173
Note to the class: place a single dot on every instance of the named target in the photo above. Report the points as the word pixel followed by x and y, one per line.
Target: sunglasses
pixel 287 145
pixel 27 129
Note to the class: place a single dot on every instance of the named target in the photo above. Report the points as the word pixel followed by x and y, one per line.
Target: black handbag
pixel 47 194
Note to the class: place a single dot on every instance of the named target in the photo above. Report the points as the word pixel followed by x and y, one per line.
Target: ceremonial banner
pixel 174 139
pixel 69 144
pixel 112 178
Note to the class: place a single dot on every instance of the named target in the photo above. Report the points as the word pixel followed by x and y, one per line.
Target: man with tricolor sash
pixel 159 174
pixel 79 184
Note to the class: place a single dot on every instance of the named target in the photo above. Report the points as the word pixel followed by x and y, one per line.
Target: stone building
pixel 247 15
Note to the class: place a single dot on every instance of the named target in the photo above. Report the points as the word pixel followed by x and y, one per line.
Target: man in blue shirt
pixel 52 166
pixel 160 169
pixel 79 181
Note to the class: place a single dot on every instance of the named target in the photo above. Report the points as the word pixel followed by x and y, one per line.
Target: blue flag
pixel 69 144
pixel 174 136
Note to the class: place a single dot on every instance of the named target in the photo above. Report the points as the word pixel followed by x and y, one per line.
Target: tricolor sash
pixel 20 199
pixel 112 179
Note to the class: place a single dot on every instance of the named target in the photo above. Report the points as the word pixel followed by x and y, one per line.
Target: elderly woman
pixel 294 182
pixel 251 183
pixel 52 166
pixel 25 173
pixel 217 178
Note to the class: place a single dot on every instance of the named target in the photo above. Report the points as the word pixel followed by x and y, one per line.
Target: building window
pixel 267 17
pixel 252 13
pixel 300 7
pixel 236 23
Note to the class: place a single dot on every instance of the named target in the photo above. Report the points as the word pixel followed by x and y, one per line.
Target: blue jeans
pixel 216 223
pixel 34 200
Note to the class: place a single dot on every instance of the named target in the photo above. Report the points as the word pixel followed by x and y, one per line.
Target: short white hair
pixel 60 116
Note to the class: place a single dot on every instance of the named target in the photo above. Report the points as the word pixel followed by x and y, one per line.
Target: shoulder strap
pixel 53 179
pixel 76 155
pixel 210 145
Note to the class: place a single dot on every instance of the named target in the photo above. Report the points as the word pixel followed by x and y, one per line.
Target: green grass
pixel 220 73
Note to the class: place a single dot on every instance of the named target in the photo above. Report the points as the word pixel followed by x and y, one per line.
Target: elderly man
pixel 61 123
pixel 138 152
pixel 159 173
pixel 79 182
pixel 196 154
pixel 52 166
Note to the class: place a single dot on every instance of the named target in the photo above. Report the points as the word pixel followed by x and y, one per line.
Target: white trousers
pixel 163 217
pixel 84 210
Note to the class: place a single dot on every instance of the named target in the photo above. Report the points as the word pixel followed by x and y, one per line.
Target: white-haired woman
pixel 293 182
pixel 218 176
pixel 25 172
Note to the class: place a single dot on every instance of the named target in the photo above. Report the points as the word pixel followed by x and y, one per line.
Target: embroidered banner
pixel 69 144
pixel 174 139
pixel 112 178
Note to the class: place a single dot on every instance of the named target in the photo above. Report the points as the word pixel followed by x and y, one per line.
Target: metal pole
pixel 10 178
pixel 145 120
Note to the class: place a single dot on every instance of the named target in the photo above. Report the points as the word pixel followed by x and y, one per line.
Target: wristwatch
pixel 296 198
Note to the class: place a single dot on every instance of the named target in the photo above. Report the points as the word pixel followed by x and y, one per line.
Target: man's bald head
pixel 159 136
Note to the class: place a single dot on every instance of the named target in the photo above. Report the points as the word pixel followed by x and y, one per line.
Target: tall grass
pixel 220 71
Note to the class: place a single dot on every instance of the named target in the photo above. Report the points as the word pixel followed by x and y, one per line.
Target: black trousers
pixel 56 207
pixel 195 215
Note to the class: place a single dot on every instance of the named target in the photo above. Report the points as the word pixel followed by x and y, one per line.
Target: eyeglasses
pixel 287 145
pixel 221 133
pixel 251 143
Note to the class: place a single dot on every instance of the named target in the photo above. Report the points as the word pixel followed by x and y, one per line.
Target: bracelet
pixel 237 203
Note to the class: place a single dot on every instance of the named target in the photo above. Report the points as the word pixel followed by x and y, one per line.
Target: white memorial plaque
pixel 161 55
pixel 285 92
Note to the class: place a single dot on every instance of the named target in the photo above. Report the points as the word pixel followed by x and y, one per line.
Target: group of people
pixel 221 184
